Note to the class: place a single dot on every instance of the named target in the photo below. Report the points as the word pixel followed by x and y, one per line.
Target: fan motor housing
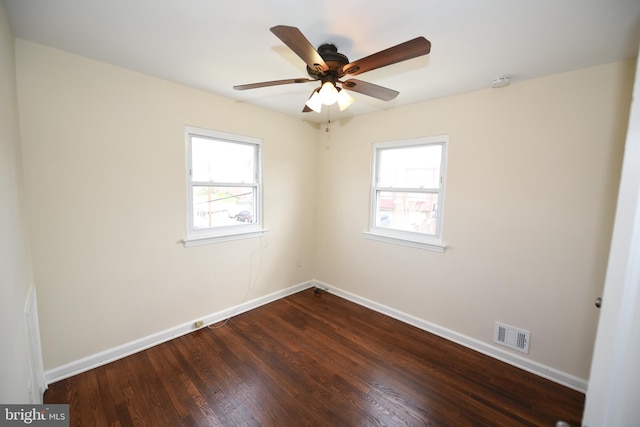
pixel 334 60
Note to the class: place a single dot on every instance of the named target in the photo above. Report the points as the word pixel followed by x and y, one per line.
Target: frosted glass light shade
pixel 344 99
pixel 315 102
pixel 328 93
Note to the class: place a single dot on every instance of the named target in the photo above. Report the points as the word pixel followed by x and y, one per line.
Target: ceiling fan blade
pixel 370 89
pixel 407 50
pixel 271 83
pixel 297 42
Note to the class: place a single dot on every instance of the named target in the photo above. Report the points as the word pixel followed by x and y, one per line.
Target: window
pixel 224 188
pixel 407 195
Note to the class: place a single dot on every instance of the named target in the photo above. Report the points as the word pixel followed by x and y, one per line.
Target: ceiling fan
pixel 329 67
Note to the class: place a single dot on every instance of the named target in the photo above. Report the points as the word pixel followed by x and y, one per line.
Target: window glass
pixel 222 161
pixel 415 212
pixel 222 206
pixel 410 167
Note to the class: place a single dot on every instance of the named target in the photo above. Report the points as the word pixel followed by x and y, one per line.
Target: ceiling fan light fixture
pixel 328 93
pixel 315 102
pixel 344 99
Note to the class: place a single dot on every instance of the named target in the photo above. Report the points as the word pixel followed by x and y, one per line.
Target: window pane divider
pixel 222 184
pixel 408 189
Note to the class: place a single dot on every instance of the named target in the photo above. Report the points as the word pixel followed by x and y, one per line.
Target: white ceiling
pixel 214 45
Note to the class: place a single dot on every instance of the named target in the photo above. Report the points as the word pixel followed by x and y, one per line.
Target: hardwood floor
pixel 315 360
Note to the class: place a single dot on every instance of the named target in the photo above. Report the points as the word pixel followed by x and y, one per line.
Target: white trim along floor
pixel 107 356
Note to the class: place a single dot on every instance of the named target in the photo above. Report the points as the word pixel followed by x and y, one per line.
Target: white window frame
pixel 203 236
pixel 409 238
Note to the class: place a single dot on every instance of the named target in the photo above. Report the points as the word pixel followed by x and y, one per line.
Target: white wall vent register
pixel 512 337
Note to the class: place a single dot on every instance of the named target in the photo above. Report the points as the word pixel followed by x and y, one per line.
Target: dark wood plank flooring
pixel 315 360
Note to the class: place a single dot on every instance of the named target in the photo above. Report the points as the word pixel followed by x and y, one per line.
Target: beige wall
pixel 533 171
pixel 16 275
pixel 104 157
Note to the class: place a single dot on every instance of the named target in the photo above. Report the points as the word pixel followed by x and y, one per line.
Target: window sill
pixel 430 246
pixel 207 240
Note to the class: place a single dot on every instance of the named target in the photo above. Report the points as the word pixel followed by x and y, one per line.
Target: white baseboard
pixel 107 356
pixel 110 355
pixel 536 368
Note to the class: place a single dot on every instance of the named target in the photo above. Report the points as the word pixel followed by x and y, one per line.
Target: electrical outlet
pixel 198 324
pixel 299 262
